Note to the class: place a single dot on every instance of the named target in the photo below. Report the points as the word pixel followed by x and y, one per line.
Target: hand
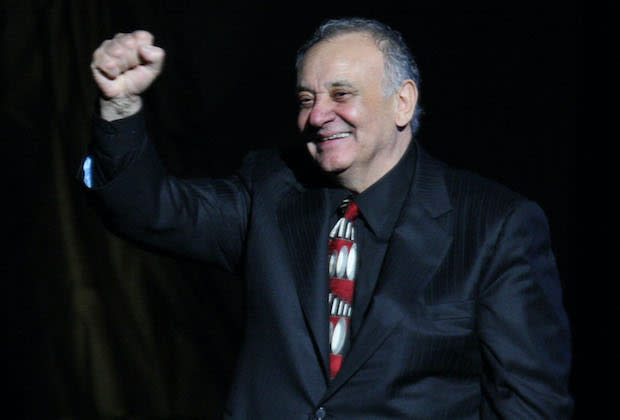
pixel 126 65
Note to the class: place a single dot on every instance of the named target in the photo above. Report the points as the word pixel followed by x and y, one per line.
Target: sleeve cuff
pixel 115 139
pixel 115 145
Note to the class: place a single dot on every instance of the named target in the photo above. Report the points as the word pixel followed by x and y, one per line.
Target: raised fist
pixel 126 65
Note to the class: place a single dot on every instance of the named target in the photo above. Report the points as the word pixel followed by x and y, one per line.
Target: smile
pixel 335 136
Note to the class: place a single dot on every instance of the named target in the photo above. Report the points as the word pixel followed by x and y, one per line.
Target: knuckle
pixel 108 47
pixel 156 51
pixel 116 50
pixel 108 63
pixel 113 51
pixel 99 59
pixel 128 42
pixel 143 35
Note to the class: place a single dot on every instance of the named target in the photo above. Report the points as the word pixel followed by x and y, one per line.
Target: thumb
pixel 152 57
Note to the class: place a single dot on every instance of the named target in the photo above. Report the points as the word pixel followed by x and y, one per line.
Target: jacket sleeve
pixel 204 219
pixel 522 325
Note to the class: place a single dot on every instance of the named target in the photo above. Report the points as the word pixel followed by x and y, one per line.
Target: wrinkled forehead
pixel 355 52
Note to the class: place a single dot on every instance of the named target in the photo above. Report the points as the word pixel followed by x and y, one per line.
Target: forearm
pixel 138 199
pixel 114 146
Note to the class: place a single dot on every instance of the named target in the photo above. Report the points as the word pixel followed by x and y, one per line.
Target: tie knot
pixel 348 208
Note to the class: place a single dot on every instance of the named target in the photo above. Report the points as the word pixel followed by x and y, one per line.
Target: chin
pixel 332 163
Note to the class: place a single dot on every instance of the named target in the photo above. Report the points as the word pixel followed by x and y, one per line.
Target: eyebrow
pixel 337 83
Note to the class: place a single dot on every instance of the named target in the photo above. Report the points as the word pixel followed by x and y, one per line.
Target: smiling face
pixel 351 128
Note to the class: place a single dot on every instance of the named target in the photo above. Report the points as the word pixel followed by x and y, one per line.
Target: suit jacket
pixel 465 321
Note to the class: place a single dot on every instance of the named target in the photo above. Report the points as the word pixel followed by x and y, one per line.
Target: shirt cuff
pixel 87 171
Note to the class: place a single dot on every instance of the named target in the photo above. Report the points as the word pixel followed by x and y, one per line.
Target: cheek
pixel 311 149
pixel 302 119
pixel 349 113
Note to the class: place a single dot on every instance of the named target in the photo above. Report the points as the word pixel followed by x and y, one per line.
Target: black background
pixel 99 326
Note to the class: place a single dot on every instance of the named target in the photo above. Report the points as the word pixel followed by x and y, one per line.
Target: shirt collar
pixel 381 203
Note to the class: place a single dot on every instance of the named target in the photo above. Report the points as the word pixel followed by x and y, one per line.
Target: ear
pixel 406 100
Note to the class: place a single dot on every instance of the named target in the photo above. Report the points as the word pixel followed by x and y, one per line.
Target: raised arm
pixel 136 197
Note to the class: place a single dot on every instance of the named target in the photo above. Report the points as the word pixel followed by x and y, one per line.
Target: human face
pixel 348 123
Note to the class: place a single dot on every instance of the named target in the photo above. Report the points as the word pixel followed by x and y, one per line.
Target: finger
pixel 118 45
pixel 143 37
pixel 119 54
pixel 128 42
pixel 148 53
pixel 108 87
pixel 104 62
pixel 122 51
pixel 123 47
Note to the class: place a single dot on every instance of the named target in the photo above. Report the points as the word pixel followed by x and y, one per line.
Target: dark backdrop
pixel 98 327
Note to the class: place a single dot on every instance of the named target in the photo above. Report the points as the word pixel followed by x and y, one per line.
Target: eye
pixel 305 101
pixel 340 95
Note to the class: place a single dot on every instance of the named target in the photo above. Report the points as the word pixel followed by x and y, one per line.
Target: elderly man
pixel 381 284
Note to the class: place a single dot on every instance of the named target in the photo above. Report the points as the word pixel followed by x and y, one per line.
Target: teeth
pixel 337 136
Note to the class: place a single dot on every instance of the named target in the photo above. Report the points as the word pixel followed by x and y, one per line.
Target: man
pixel 430 293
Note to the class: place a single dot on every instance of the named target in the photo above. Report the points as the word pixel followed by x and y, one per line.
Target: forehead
pixel 351 56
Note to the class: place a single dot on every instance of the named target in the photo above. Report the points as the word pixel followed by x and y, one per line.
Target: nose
pixel 322 111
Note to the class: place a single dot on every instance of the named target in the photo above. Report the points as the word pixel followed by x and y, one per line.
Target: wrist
pixel 118 108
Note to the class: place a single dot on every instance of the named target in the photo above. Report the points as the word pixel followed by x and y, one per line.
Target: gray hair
pixel 398 60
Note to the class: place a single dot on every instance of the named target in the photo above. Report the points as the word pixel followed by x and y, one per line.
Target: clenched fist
pixel 123 68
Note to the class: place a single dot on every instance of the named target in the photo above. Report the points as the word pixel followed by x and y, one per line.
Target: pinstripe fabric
pixel 466 321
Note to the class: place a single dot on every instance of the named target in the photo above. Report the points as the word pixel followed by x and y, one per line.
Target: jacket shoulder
pixel 470 190
pixel 478 206
pixel 262 166
pixel 279 168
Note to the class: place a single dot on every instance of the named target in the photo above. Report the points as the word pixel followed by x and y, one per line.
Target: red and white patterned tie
pixel 342 270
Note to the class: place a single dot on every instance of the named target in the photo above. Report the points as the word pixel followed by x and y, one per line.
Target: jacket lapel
pixel 303 217
pixel 417 247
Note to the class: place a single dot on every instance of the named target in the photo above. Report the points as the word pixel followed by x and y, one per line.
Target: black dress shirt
pixel 379 207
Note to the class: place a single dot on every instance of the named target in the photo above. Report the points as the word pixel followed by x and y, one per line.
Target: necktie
pixel 342 268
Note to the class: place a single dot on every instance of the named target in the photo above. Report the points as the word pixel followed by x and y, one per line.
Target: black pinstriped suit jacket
pixel 466 320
